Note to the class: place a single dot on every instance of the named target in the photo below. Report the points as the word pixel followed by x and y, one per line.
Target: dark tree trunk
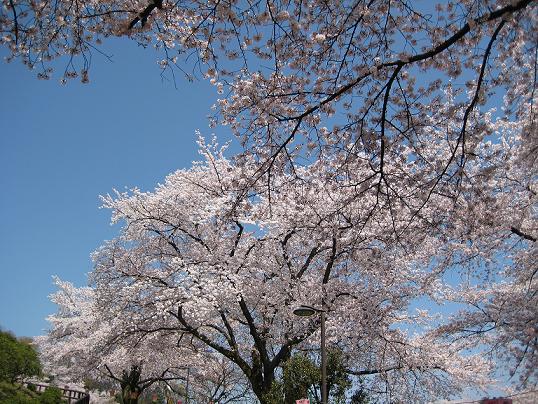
pixel 130 388
pixel 261 383
pixel 130 396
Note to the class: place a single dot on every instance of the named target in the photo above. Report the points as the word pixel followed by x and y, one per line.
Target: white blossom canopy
pixel 84 344
pixel 230 274
pixel 389 156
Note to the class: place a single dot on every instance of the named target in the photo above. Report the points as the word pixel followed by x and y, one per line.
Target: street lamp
pixel 307 311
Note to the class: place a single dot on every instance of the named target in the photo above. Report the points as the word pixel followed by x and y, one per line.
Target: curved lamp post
pixel 307 311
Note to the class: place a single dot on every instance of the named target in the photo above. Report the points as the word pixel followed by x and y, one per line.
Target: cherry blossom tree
pixel 501 242
pixel 219 382
pixel 83 343
pixel 389 156
pixel 314 77
pixel 193 263
pixel 229 275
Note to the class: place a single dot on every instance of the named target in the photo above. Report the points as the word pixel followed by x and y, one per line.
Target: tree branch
pixel 522 235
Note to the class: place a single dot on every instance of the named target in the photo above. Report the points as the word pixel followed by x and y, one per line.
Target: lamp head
pixel 305 311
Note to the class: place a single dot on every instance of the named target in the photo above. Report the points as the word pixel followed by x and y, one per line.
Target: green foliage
pixel 301 378
pixel 52 395
pixel 18 358
pixel 299 374
pixel 18 394
pixel 337 378
pixel 13 394
pixel 275 395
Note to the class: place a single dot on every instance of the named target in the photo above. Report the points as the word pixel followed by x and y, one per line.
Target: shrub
pixel 52 395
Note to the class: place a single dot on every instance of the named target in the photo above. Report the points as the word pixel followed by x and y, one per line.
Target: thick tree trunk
pixel 129 395
pixel 261 385
pixel 130 388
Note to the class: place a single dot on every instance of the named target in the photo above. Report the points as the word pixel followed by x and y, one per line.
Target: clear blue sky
pixel 63 146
